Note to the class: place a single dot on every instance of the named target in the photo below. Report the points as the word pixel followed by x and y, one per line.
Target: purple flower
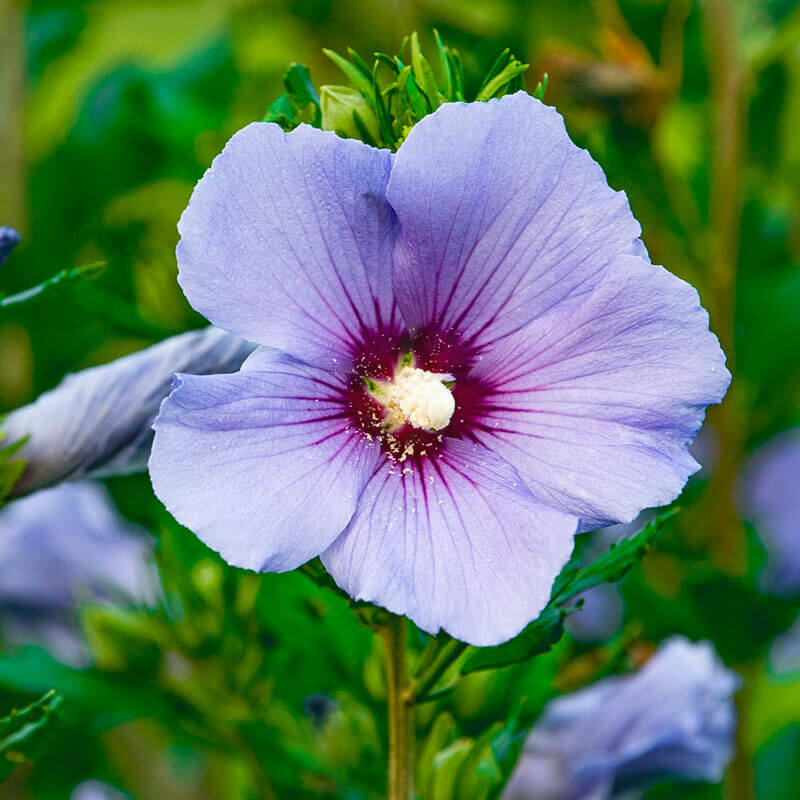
pixel 770 498
pixel 784 652
pixel 673 720
pixel 467 357
pixel 9 239
pixel 61 546
pixel 96 790
pixel 601 615
pixel 98 422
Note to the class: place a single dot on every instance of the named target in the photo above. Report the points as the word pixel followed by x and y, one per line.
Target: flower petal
pixel 262 464
pixel 287 241
pixel 596 408
pixel 501 216
pixel 674 718
pixel 454 542
pixel 98 421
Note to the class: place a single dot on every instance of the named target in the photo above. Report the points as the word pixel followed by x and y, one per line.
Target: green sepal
pixel 300 103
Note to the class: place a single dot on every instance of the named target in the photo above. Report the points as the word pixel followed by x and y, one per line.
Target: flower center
pixel 416 397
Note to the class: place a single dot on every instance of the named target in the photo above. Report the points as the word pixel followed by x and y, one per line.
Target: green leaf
pixel 423 73
pixel 446 767
pixel 23 732
pixel 441 734
pixel 360 64
pixel 506 745
pixel 502 82
pixel 354 73
pixel 448 79
pixel 300 103
pixel 68 274
pixel 499 65
pixel 384 119
pixel 407 84
pixel 539 637
pixel 610 567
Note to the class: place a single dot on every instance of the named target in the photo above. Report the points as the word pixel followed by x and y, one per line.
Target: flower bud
pixel 339 104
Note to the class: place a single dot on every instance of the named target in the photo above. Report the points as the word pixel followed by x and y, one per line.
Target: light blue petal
pixel 454 542
pixel 287 241
pixel 262 465
pixel 98 421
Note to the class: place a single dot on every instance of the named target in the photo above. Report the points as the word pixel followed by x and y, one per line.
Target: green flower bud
pixel 349 114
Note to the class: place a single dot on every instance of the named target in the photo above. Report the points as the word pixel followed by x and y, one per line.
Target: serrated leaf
pixel 610 567
pixel 539 637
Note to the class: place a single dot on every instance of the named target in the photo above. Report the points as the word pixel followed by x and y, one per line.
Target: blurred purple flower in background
pixel 603 610
pixel 770 499
pixel 96 790
pixel 672 720
pixel 98 422
pixel 784 652
pixel 62 546
pixel 474 359
pixel 9 239
pixel 601 615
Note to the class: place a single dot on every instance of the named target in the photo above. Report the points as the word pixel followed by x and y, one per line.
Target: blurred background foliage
pixel 245 686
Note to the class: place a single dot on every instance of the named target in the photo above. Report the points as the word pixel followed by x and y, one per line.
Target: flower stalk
pixel 400 730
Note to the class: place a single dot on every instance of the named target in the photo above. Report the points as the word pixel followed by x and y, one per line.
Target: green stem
pixel 400 729
pixel 429 677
